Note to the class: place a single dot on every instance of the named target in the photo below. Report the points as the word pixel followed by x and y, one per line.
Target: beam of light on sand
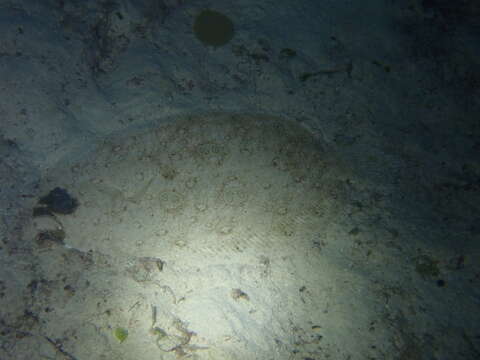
pixel 206 235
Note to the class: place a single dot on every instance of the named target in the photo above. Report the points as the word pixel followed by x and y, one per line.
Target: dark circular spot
pixel 440 283
pixel 213 28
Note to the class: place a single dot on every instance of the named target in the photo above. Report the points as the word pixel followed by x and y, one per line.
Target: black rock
pixel 59 201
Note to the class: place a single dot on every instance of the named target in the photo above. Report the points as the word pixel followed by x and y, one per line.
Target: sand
pixel 308 190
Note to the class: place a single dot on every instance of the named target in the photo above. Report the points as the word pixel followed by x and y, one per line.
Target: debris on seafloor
pixel 239 294
pixel 49 238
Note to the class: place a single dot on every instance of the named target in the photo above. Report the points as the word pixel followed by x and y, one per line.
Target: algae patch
pixel 426 266
pixel 120 334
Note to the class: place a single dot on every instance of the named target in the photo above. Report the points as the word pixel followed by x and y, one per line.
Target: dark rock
pixel 59 201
